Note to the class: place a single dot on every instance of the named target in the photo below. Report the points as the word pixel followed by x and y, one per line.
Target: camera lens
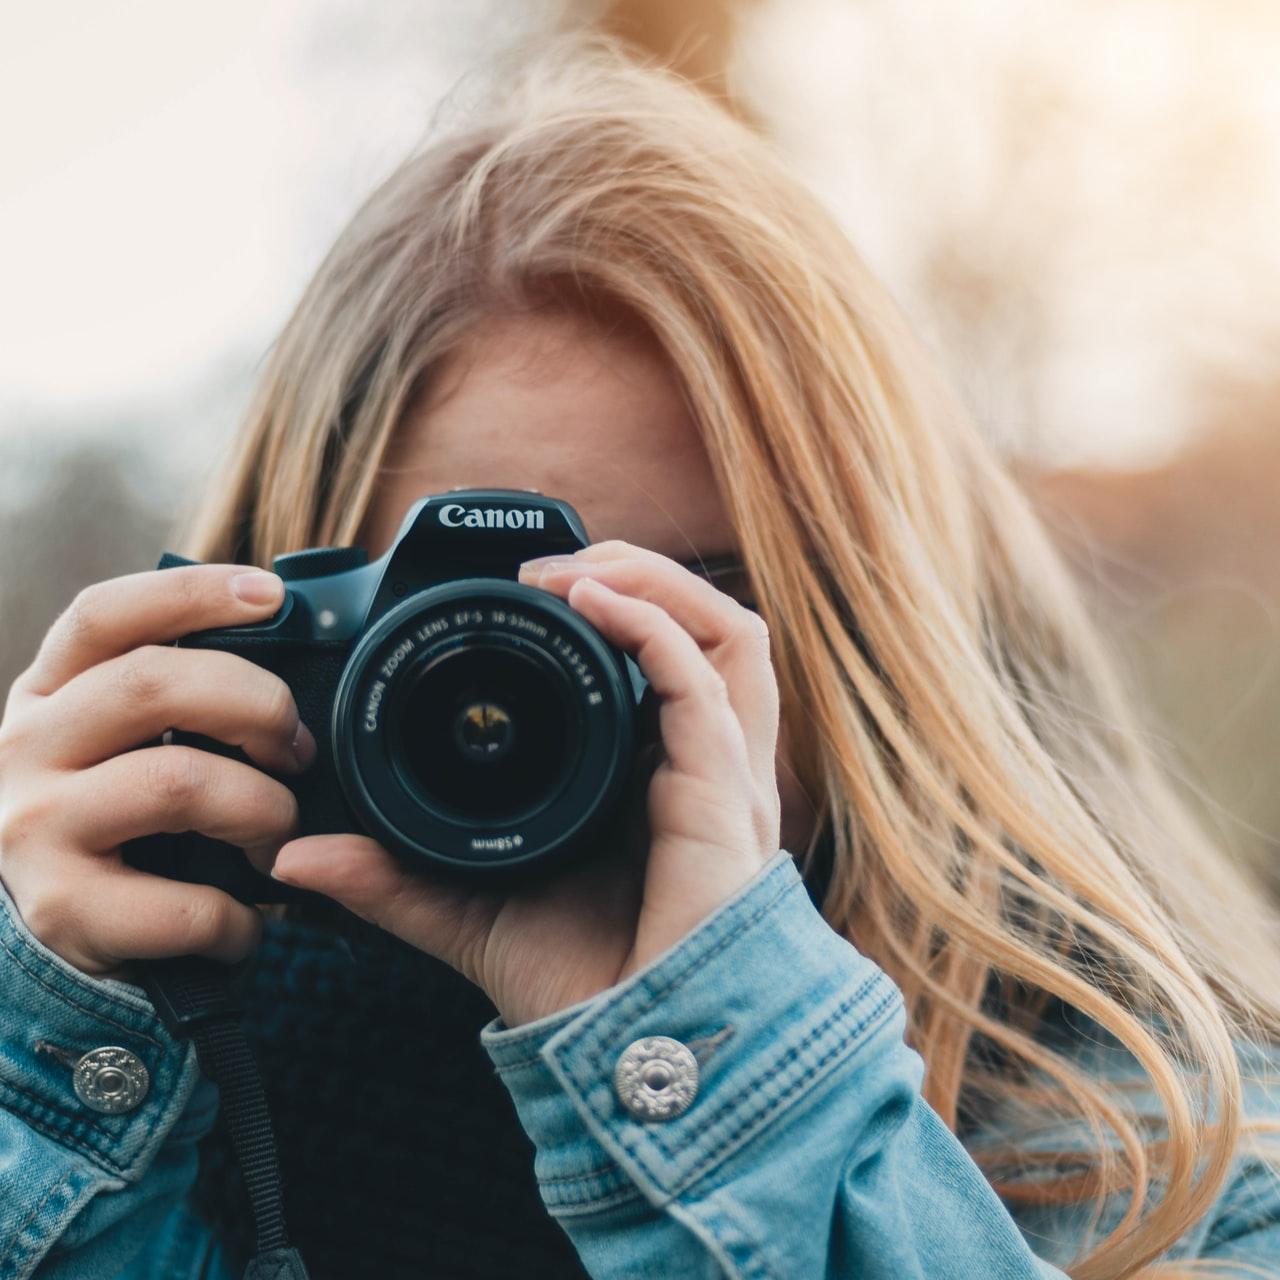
pixel 485 732
pixel 483 725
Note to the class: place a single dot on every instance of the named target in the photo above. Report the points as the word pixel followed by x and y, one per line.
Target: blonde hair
pixel 1000 838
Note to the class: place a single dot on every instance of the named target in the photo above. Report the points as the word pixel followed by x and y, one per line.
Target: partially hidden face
pixel 587 414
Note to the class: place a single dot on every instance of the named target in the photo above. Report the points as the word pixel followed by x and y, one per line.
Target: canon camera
pixel 463 720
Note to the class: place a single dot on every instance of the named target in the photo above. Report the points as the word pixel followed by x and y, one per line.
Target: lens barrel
pixel 483 725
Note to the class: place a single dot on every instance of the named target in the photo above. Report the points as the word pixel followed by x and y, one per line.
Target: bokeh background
pixel 1075 201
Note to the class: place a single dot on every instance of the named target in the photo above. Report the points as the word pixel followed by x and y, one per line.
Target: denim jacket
pixel 766 1121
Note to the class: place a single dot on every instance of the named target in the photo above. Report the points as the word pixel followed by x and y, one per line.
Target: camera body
pixel 467 722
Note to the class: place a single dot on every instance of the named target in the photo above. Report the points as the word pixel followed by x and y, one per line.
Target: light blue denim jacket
pixel 807 1150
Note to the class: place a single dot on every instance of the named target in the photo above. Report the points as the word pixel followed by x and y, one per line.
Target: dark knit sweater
pixel 400 1149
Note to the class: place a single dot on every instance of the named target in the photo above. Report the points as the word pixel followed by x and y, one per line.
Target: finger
pixel 110 618
pixel 131 699
pixel 98 919
pixel 701 733
pixel 734 640
pixel 432 915
pixel 176 789
pixel 708 614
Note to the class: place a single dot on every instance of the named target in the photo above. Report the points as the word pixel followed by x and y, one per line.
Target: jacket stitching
pixel 596 1034
pixel 581 1208
pixel 68 1139
pixel 518 1035
pixel 674 980
pixel 679 975
pixel 71 1000
pixel 519 1065
pixel 63 1185
pixel 751 1122
pixel 44 1100
pixel 758 1119
pixel 744 1247
pixel 815 1033
pixel 611 1167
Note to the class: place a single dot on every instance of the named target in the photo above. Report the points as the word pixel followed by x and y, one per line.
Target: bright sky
pixel 171 173
pixel 143 199
pixel 176 172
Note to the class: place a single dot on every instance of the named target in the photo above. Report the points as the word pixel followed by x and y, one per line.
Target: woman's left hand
pixel 712 806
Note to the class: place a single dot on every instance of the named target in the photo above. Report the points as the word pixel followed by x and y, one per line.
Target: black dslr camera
pixel 464 720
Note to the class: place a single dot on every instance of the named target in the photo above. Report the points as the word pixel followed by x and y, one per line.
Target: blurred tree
pixel 74 511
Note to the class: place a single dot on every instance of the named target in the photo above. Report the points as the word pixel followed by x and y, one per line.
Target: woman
pixel 1029 1033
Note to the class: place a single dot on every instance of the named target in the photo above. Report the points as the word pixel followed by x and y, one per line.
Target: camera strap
pixel 195 1000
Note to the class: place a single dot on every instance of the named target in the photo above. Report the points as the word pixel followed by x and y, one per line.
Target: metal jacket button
pixel 656 1078
pixel 111 1079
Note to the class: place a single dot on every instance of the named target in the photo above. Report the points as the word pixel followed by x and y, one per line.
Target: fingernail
pixel 275 871
pixel 258 587
pixel 541 564
pixel 304 746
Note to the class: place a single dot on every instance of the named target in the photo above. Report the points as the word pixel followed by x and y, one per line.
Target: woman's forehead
pixel 548 402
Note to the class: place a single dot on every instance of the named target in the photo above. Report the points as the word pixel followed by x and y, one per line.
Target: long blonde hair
pixel 1000 838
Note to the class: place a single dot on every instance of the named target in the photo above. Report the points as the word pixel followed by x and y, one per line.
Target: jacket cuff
pixel 50 1015
pixel 768 997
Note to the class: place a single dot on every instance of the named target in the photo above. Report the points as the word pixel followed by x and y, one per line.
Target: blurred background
pixel 1075 201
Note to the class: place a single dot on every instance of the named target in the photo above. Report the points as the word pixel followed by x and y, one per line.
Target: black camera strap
pixel 195 999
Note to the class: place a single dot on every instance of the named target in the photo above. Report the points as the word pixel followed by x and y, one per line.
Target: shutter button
pixel 111 1079
pixel 656 1078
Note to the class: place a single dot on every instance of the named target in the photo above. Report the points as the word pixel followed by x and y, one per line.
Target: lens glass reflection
pixel 485 732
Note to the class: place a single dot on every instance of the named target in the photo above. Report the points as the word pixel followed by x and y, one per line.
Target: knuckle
pixel 717 687
pixel 278 710
pixel 85 611
pixel 19 687
pixel 611 547
pixel 15 739
pixel 749 628
pixel 291 812
pixel 755 627
pixel 182 589
pixel 21 823
pixel 84 619
pixel 279 813
pixel 203 919
pixel 141 675
pixel 176 777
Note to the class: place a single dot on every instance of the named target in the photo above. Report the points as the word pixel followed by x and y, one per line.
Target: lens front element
pixel 483 731
pixel 487 729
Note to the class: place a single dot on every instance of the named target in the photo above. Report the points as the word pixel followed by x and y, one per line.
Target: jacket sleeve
pixel 806 1149
pixel 1243 1233
pixel 82 1191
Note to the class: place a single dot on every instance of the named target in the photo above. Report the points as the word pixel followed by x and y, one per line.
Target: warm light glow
pixel 1075 201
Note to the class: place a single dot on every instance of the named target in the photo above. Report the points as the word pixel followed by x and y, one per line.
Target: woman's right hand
pixel 76 781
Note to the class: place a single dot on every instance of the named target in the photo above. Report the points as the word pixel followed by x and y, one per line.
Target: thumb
pixel 438 918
